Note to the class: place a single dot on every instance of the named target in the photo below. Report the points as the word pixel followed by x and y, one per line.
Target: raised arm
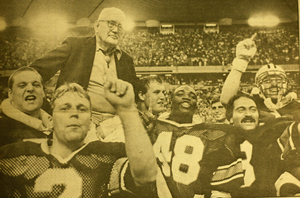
pixel 137 143
pixel 245 50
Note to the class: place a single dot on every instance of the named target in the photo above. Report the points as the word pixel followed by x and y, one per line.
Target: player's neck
pixel 63 150
pixel 36 114
pixel 142 107
pixel 181 118
pixel 224 121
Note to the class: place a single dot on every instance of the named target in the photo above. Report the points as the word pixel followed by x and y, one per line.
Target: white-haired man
pixel 90 62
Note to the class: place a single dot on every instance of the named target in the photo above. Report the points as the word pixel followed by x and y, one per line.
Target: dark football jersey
pixel 28 170
pixel 262 161
pixel 292 109
pixel 197 158
pixel 289 143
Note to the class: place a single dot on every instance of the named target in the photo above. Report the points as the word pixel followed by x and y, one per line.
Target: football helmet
pixel 272 81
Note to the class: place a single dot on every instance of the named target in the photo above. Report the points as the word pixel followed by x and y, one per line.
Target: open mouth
pixel 218 114
pixel 114 36
pixel 30 98
pixel 161 103
pixel 248 120
pixel 185 104
pixel 73 125
pixel 274 89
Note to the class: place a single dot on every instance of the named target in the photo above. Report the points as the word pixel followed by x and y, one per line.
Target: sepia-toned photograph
pixel 149 98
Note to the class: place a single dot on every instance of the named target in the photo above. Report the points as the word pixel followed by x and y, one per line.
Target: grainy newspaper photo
pixel 149 99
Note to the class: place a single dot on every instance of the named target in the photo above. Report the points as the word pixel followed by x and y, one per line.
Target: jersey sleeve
pixel 289 142
pixel 122 183
pixel 287 185
pixel 228 174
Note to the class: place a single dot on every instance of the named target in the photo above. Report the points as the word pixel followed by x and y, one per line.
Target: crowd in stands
pixel 186 47
pixel 195 47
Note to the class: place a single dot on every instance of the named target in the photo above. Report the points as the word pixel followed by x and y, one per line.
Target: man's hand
pixel 120 94
pixel 148 120
pixel 245 50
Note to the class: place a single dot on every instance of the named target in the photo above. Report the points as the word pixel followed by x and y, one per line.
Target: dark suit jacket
pixel 13 131
pixel 75 59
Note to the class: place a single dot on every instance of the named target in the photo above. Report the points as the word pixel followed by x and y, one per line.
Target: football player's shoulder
pixel 20 148
pixel 295 104
pixel 22 158
pixel 276 124
pixel 166 122
pixel 105 148
pixel 215 131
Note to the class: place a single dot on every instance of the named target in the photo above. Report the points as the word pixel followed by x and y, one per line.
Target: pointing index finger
pixel 253 36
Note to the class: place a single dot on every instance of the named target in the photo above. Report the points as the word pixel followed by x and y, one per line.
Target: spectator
pixel 22 117
pixel 219 112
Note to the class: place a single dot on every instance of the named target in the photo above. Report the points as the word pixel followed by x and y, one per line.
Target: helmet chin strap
pixel 270 104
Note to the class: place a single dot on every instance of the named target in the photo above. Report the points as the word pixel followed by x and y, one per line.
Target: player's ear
pixel 10 94
pixel 231 121
pixel 50 125
pixel 141 96
pixel 96 25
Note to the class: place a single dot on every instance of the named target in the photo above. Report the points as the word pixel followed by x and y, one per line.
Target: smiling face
pixel 274 86
pixel 184 102
pixel 155 97
pixel 71 118
pixel 109 33
pixel 218 111
pixel 245 114
pixel 27 92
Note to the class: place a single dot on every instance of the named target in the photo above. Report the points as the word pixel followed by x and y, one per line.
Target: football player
pixel 195 159
pixel 67 167
pixel 271 91
pixel 262 159
pixel 150 99
pixel 288 183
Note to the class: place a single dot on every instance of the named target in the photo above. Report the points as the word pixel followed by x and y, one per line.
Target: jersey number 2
pixel 188 151
pixel 68 177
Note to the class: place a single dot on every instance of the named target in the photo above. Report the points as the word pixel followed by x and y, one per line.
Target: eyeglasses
pixel 112 24
pixel 217 107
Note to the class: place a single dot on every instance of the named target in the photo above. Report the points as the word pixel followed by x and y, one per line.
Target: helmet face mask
pixel 272 81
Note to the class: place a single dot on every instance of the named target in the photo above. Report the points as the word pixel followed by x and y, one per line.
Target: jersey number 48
pixel 188 151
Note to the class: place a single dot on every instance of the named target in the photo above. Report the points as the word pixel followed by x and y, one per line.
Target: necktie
pixel 107 55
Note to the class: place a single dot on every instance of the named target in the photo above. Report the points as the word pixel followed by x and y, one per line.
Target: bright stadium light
pixel 266 20
pixel 254 21
pixel 271 21
pixel 3 24
pixel 49 24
